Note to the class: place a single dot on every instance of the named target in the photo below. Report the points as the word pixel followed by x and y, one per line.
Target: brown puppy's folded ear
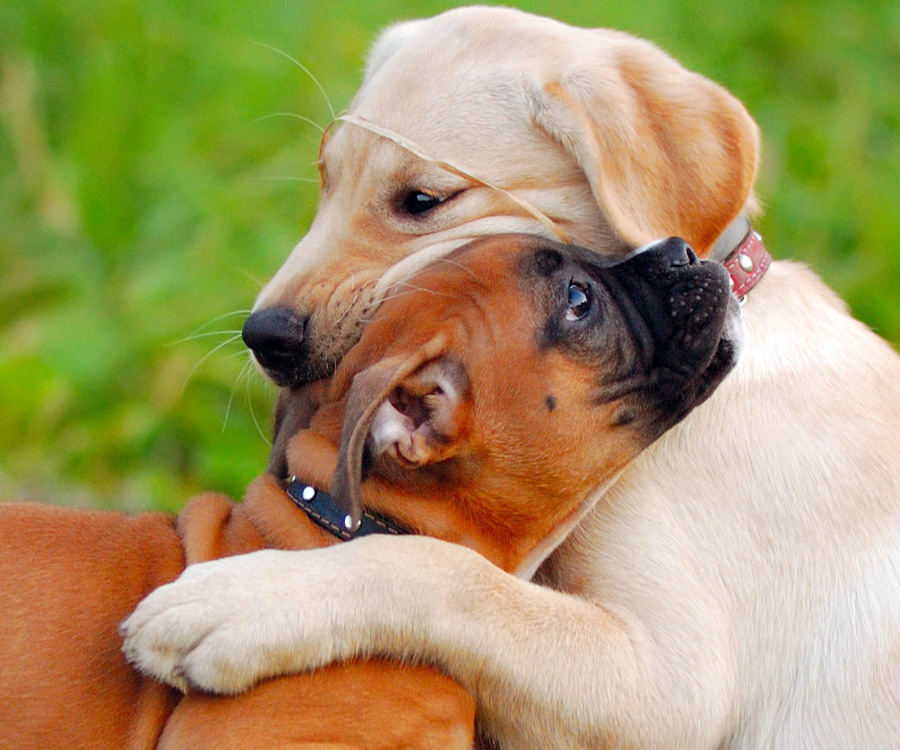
pixel 423 417
pixel 666 151
pixel 372 389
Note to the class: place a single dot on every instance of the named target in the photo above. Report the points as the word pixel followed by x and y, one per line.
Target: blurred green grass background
pixel 142 197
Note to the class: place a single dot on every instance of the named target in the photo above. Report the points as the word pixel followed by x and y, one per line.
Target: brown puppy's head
pixel 490 403
pixel 603 133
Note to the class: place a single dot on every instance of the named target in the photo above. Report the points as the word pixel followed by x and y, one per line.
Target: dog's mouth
pixel 729 337
pixel 293 349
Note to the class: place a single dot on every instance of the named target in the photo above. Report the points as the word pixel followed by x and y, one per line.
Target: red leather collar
pixel 747 264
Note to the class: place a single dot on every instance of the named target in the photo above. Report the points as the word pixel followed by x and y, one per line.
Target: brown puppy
pixel 454 441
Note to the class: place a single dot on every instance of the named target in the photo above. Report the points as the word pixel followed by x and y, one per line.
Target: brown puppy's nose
pixel 276 335
pixel 675 252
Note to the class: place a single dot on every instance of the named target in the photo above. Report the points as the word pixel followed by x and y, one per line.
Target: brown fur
pixel 69 577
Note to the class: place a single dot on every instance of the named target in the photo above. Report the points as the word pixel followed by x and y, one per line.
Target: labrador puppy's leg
pixel 572 673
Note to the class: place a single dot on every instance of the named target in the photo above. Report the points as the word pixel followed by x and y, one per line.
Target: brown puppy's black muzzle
pixel 681 301
pixel 277 337
pixel 677 306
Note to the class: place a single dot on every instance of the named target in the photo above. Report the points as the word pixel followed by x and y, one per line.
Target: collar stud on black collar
pixel 323 510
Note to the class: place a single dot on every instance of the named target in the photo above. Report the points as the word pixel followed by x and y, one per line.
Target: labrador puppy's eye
pixel 418 202
pixel 579 301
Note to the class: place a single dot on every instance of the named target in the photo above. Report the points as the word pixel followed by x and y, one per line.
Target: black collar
pixel 324 510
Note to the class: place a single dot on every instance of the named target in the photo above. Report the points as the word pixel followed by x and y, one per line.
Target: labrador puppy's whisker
pixel 434 292
pixel 295 116
pixel 248 366
pixel 253 417
pixel 220 317
pixel 347 309
pixel 195 336
pixel 458 265
pixel 394 293
pixel 206 356
pixel 305 70
pixel 285 178
pixel 252 278
pixel 389 298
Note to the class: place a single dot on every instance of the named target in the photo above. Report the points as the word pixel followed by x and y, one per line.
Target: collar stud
pixel 327 513
pixel 349 525
pixel 747 264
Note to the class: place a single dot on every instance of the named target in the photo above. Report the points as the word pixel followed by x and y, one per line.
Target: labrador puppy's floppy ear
pixel 408 408
pixel 666 151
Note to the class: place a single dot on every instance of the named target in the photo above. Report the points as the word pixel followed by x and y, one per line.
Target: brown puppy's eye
pixel 417 202
pixel 579 301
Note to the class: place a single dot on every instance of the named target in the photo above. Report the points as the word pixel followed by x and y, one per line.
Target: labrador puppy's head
pixel 490 403
pixel 483 121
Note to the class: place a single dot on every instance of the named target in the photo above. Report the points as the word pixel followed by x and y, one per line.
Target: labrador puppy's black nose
pixel 277 337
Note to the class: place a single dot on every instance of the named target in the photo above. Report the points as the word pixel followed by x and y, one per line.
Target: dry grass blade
pixel 414 148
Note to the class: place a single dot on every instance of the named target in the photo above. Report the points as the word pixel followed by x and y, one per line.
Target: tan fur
pixel 739 586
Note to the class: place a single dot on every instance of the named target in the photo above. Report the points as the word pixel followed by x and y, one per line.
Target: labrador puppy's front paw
pixel 148 641
pixel 219 628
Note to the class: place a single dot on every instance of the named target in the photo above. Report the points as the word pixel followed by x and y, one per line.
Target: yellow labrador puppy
pixel 739 585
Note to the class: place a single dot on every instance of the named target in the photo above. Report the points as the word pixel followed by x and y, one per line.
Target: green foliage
pixel 140 199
